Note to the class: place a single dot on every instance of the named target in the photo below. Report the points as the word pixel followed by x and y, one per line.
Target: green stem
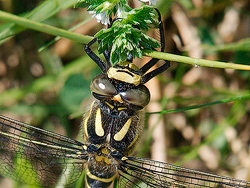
pixel 238 98
pixel 85 39
pixel 44 27
pixel 194 61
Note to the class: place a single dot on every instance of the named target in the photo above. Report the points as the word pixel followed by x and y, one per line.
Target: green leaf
pixel 126 35
pixel 144 18
pixel 81 4
pixel 122 40
pixel 99 6
pixel 149 43
pixel 88 2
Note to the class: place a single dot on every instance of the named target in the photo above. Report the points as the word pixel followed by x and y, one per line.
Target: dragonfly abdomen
pixel 100 172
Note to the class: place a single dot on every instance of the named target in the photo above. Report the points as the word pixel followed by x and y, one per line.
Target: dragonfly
pixel 110 130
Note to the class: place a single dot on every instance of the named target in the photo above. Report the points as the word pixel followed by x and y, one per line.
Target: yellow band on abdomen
pixel 99 179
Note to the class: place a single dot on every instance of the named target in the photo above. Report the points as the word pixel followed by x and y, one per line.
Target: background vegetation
pixel 203 119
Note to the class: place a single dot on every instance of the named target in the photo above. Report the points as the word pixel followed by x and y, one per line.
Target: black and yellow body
pixel 114 121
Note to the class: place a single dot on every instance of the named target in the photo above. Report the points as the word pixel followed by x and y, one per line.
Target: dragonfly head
pixel 121 86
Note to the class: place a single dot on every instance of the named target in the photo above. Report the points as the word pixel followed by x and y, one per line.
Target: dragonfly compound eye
pixel 101 86
pixel 138 96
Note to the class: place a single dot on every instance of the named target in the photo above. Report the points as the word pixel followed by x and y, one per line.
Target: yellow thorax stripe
pixel 111 106
pixel 85 121
pixel 120 135
pixel 98 123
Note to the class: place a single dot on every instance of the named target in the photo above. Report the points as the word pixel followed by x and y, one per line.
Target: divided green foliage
pixel 99 6
pixel 122 40
pixel 144 18
pixel 126 35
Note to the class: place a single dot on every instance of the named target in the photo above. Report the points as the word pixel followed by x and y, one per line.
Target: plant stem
pixel 194 61
pixel 85 39
pixel 44 27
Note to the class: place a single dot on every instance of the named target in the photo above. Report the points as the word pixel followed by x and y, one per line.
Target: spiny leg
pixel 94 57
pixel 155 72
pixel 106 54
pixel 153 61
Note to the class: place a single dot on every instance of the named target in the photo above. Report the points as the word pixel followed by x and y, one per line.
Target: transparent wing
pixel 138 172
pixel 35 156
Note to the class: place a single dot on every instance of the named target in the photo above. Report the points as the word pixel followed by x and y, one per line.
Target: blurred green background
pixel 205 112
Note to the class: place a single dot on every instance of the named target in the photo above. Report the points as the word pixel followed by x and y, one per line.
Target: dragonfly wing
pixel 138 172
pixel 35 156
